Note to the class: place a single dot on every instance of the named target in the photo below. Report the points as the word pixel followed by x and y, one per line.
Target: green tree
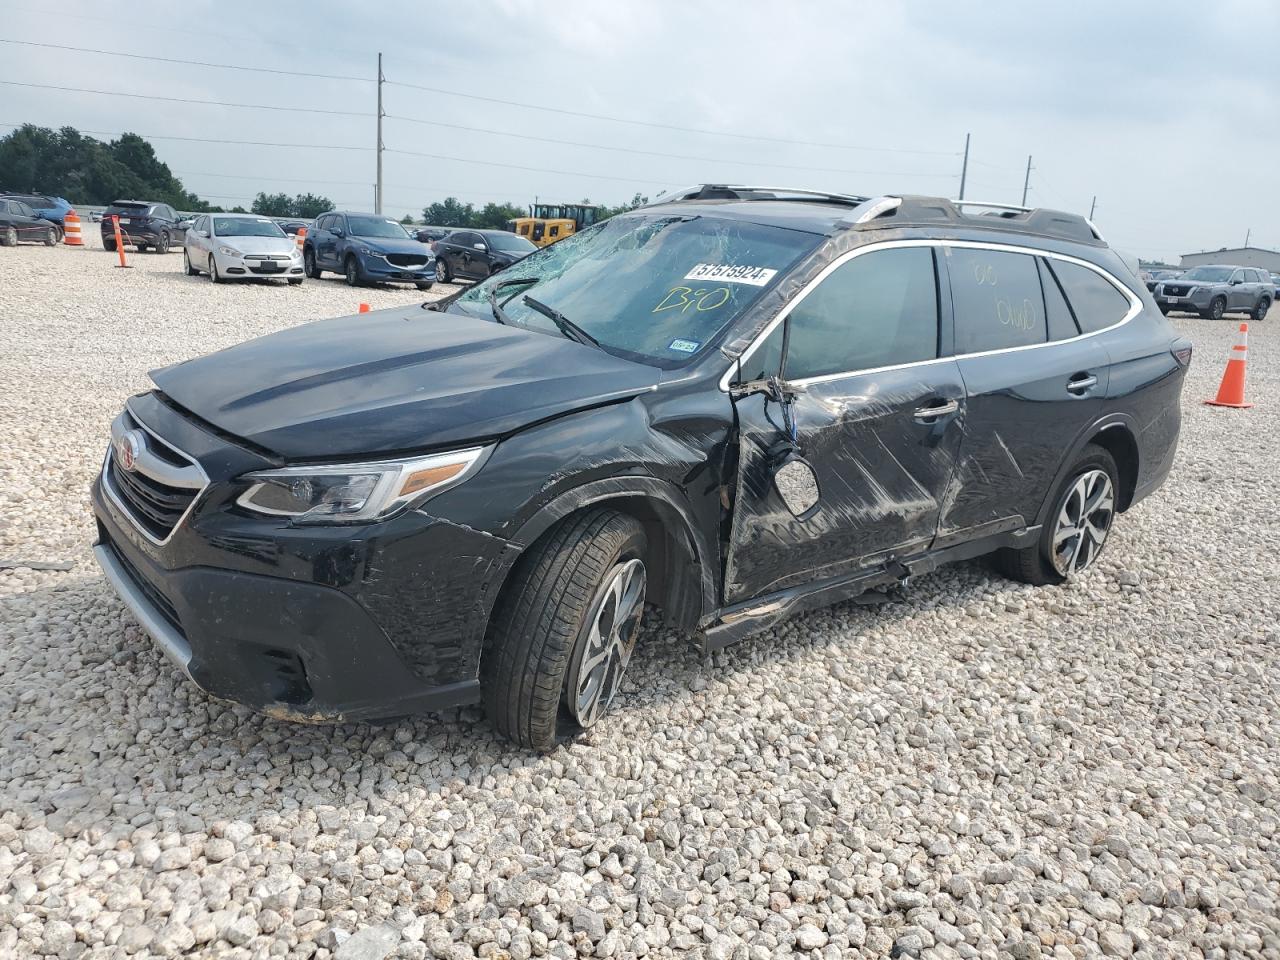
pixel 273 205
pixel 451 213
pixel 308 206
pixel 407 219
pixel 494 216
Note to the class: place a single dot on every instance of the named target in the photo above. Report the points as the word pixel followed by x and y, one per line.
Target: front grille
pixel 160 489
pixel 157 507
pixel 282 257
pixel 157 599
pixel 1176 290
pixel 406 259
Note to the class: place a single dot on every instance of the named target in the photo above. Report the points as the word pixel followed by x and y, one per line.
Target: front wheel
pixel 1084 507
pixel 186 263
pixel 565 628
pixel 51 237
pixel 353 272
pixel 443 274
pixel 214 276
pixel 309 264
pixel 1217 307
pixel 1260 311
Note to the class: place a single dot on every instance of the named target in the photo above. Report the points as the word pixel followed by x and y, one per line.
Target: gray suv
pixel 1213 291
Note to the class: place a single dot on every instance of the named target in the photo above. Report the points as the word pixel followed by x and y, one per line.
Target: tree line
pixel 84 170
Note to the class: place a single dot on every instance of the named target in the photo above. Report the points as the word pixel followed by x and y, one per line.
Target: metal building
pixel 1236 257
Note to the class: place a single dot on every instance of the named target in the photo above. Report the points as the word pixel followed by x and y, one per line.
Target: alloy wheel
pixel 602 658
pixel 1084 521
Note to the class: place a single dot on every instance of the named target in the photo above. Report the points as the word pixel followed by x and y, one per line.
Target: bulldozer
pixel 549 222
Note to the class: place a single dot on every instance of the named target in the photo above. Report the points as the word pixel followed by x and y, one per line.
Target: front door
pixel 877 415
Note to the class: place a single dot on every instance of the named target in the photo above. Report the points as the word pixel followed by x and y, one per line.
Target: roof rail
pixel 726 191
pixel 907 209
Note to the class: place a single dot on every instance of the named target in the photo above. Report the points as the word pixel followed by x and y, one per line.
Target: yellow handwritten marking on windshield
pixel 702 300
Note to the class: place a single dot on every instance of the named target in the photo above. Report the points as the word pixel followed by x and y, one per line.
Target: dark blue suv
pixel 367 248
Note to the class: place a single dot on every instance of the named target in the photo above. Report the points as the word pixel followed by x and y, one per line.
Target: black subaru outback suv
pixel 734 404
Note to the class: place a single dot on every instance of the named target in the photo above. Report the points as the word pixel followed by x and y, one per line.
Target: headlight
pixel 229 251
pixel 356 492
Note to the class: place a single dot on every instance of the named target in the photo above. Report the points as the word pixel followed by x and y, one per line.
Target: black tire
pixel 162 243
pixel 109 246
pixel 140 247
pixel 9 238
pixel 352 271
pixel 295 281
pixel 214 277
pixel 424 285
pixel 1260 311
pixel 542 620
pixel 51 237
pixel 186 262
pixel 1034 564
pixel 1217 308
pixel 309 265
pixel 443 273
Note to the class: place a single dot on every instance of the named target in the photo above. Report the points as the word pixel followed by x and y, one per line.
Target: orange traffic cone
pixel 1231 391
pixel 301 237
pixel 71 230
pixel 364 308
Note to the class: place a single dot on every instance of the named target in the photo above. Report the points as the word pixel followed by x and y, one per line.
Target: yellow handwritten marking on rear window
pixel 701 299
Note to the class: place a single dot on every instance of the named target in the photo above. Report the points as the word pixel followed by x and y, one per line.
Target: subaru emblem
pixel 128 446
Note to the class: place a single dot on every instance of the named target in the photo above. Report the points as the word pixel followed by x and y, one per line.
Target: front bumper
pixel 376 267
pixel 230 266
pixel 129 234
pixel 316 624
pixel 1196 301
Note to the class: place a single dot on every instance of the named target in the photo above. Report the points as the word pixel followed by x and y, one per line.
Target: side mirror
pixel 797 484
pixel 338 232
pixel 1235 281
pixel 479 246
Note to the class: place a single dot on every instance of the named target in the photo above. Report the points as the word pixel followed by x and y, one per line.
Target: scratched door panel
pixel 882 475
pixel 1020 418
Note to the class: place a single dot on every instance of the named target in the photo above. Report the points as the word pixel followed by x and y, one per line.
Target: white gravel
pixel 983 770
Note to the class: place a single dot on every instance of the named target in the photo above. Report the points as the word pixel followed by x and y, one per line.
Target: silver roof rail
pixel 877 208
pixel 991 206
pixel 691 193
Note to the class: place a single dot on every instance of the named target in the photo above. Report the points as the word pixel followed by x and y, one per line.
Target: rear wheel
pixel 109 246
pixel 162 243
pixel 1073 537
pixel 353 272
pixel 1260 311
pixel 565 628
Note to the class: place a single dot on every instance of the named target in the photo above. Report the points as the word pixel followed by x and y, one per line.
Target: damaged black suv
pixel 734 404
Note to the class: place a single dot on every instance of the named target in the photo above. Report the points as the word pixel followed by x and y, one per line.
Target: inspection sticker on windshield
pixel 685 346
pixel 731 273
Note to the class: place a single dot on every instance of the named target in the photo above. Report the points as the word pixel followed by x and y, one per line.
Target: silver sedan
pixel 230 246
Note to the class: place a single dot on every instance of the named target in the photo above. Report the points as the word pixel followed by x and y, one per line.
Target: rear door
pixel 878 407
pixel 1034 378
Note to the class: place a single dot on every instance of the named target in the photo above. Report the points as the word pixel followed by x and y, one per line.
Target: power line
pixel 668 126
pixel 514 166
pixel 245 143
pixel 207 103
pixel 188 63
pixel 654 153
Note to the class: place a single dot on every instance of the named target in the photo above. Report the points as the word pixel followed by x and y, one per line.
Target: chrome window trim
pixel 1135 306
pixel 118 500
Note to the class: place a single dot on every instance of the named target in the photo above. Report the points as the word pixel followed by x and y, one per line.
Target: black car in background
pixel 736 404
pixel 432 234
pixel 144 225
pixel 477 254
pixel 20 224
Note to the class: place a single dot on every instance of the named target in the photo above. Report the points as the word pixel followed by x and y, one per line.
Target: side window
pixel 1095 301
pixel 876 310
pixel 998 300
pixel 555 231
pixel 1237 277
pixel 1062 325
pixel 25 210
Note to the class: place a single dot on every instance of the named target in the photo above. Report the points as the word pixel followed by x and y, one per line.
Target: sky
pixel 1168 113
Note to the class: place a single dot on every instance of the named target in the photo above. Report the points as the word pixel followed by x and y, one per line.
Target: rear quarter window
pixel 998 300
pixel 1095 301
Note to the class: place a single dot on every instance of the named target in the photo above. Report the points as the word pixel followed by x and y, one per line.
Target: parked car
pixel 292 226
pixel 477 254
pixel 1156 276
pixel 241 245
pixel 1215 290
pixel 53 209
pixel 366 248
pixel 1275 284
pixel 736 404
pixel 432 234
pixel 144 225
pixel 19 224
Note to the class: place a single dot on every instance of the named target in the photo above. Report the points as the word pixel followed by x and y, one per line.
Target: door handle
pixel 1080 384
pixel 925 414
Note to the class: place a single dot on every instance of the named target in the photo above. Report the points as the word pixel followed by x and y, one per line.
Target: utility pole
pixel 964 166
pixel 377 189
pixel 1026 183
pixel 1247 234
pixel 1093 206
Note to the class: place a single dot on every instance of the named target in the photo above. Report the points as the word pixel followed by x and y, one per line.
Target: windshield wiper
pixel 498 313
pixel 563 323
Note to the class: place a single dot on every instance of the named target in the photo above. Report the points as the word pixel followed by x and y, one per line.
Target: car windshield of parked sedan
pixel 658 289
pixel 238 227
pixel 509 243
pixel 1209 274
pixel 377 227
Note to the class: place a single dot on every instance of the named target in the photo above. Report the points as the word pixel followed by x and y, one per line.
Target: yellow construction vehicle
pixel 549 222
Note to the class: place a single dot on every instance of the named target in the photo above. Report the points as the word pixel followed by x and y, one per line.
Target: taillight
pixel 1182 351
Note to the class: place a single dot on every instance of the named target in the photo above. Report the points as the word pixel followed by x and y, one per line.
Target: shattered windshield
pixel 658 289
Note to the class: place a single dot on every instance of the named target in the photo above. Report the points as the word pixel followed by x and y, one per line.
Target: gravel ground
pixel 983 770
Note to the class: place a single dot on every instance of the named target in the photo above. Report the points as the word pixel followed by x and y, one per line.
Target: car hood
pixel 258 244
pixel 395 380
pixel 393 245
